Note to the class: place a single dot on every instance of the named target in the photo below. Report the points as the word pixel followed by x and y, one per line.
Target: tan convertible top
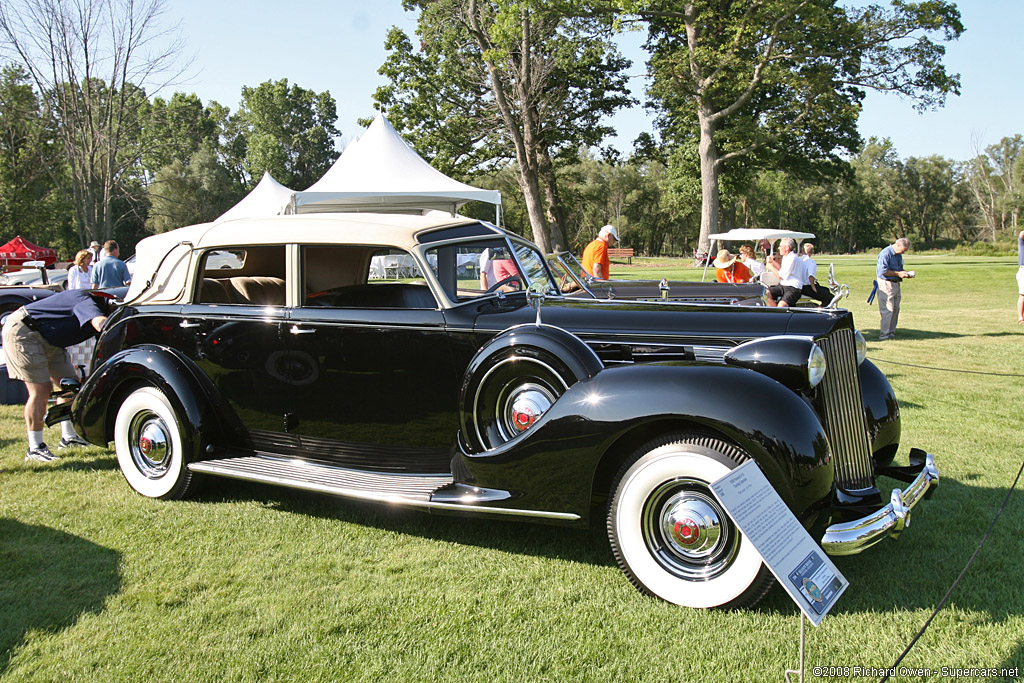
pixel 172 252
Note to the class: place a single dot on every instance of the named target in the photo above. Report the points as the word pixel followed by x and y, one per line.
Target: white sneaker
pixel 41 453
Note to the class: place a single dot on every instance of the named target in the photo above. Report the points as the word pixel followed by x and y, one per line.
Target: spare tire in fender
pixel 515 377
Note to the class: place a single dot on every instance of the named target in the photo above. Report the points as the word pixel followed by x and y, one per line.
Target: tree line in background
pixel 757 106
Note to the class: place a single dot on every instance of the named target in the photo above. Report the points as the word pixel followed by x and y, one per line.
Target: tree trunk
pixel 709 206
pixel 557 238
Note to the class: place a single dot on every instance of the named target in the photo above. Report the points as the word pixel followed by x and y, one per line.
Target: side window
pixel 253 276
pixel 363 277
pixel 469 270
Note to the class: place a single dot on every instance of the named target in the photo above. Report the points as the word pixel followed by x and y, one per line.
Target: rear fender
pixel 192 396
pixel 554 465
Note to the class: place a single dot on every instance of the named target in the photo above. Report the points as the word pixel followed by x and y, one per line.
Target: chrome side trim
pixel 409 490
pixel 850 538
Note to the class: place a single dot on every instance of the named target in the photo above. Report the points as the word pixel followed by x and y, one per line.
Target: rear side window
pixel 363 277
pixel 254 276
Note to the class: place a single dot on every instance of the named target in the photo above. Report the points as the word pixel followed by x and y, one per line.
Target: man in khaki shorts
pixel 35 338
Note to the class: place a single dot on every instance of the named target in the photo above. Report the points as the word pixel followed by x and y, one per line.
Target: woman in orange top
pixel 728 269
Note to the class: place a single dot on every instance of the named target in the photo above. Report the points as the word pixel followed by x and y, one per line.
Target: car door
pixel 380 391
pixel 232 330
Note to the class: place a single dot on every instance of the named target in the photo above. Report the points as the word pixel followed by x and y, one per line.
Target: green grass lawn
pixel 253 583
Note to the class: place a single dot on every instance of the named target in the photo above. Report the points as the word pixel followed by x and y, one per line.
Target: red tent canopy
pixel 19 250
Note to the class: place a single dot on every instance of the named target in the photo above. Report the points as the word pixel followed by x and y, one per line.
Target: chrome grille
pixel 844 412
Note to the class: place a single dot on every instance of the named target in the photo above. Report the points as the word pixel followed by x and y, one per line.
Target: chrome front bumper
pixel 849 538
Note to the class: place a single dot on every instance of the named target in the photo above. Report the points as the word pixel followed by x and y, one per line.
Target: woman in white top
pixel 80 274
pixel 753 265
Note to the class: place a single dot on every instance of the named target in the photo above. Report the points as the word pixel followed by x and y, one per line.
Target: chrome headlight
pixel 816 365
pixel 861 344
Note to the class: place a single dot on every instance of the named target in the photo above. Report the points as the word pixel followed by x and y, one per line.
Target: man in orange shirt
pixel 595 256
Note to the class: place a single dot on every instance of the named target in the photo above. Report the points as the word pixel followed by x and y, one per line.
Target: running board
pixel 339 481
pixel 434 491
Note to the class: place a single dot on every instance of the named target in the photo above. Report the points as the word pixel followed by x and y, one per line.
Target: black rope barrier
pixel 984 539
pixel 942 603
pixel 928 367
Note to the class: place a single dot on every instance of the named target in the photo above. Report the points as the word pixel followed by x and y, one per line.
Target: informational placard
pixel 799 563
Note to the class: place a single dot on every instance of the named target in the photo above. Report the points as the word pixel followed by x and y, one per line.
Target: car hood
pixel 697 323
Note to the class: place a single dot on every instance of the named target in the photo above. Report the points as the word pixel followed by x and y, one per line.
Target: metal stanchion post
pixel 799 672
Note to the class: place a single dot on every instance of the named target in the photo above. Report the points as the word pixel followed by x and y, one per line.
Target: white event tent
pixel 268 198
pixel 381 172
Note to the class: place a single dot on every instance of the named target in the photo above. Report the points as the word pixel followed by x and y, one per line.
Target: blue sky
pixel 338 46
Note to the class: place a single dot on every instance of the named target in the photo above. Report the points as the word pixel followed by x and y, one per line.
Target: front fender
pixel 882 412
pixel 192 396
pixel 553 465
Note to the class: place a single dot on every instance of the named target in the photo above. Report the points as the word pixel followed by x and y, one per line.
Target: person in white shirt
pixel 80 273
pixel 753 265
pixel 790 273
pixel 486 270
pixel 811 288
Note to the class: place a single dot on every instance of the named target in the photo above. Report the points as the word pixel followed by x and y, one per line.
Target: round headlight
pixel 815 366
pixel 861 344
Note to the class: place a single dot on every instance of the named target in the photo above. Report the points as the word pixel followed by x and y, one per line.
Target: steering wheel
pixel 507 281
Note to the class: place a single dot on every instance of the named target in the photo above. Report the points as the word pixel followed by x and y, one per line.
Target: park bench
pixel 621 253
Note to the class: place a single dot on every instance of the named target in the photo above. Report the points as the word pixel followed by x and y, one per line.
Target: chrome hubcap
pixel 150 445
pixel 691 526
pixel 687 531
pixel 522 407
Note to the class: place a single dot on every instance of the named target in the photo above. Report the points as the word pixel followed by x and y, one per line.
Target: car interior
pixel 334 277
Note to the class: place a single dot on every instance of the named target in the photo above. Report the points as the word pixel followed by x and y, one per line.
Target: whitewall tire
pixel 670 535
pixel 149 444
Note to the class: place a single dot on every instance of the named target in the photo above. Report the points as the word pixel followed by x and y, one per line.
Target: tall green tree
pixel 996 181
pixel 30 201
pixel 177 128
pixel 778 83
pixel 500 74
pixel 287 130
pixel 90 62
pixel 197 191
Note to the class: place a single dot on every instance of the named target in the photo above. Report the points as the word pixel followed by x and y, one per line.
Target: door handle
pixel 295 329
pixel 186 324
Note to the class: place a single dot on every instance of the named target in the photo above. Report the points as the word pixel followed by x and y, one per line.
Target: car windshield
pixel 534 268
pixel 471 269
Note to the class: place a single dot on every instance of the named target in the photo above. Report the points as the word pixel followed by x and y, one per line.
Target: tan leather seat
pixel 258 291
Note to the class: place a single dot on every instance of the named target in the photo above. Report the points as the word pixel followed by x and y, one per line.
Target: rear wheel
pixel 669 533
pixel 149 444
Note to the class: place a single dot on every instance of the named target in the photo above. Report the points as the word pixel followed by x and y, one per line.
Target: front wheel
pixel 149 444
pixel 669 533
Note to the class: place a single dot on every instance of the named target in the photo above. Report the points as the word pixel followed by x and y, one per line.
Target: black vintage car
pixel 434 391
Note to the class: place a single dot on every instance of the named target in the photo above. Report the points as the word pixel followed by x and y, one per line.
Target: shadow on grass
pixel 48 579
pixel 79 461
pixel 541 540
pixel 905 333
pixel 911 573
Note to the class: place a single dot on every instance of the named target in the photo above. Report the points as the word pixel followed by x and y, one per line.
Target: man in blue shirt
pixel 35 337
pixel 890 273
pixel 111 270
pixel 1020 278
